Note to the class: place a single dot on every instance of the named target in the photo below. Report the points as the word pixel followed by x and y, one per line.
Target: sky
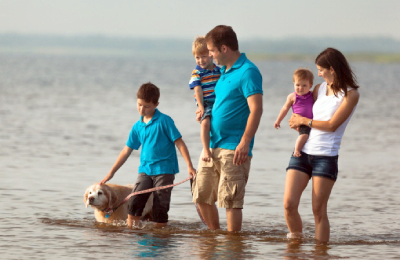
pixel 269 19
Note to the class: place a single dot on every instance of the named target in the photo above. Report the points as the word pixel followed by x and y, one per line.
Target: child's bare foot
pixel 296 154
pixel 206 155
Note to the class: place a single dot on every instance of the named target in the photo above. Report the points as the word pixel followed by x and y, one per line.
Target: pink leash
pixel 109 212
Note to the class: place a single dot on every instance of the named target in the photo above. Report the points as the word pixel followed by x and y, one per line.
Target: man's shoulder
pixel 248 64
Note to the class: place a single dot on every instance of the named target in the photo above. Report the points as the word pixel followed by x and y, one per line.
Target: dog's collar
pixel 108 211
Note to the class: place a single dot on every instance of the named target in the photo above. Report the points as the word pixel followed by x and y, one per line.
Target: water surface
pixel 64 121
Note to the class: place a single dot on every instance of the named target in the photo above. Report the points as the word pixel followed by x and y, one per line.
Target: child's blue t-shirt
pixel 157 137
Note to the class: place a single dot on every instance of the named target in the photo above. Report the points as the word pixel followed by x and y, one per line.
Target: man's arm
pixel 255 103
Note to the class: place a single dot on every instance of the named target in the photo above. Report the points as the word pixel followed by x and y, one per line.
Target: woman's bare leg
pixel 295 183
pixel 321 191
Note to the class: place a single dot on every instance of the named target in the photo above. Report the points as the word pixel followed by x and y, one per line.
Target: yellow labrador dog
pixel 108 196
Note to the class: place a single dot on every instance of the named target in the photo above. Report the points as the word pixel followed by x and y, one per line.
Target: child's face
pixel 146 109
pixel 301 86
pixel 204 60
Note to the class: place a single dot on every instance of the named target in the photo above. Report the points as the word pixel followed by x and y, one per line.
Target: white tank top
pixel 322 142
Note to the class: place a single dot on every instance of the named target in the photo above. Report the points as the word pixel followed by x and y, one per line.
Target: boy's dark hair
pixel 149 93
pixel 223 35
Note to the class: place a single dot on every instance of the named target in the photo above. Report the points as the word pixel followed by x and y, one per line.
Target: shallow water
pixel 65 119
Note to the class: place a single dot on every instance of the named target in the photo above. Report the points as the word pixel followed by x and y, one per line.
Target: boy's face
pixel 204 60
pixel 301 86
pixel 146 109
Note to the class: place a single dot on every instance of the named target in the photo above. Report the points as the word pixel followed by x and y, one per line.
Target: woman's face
pixel 326 74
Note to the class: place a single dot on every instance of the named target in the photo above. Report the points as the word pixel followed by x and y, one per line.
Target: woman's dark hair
pixel 343 76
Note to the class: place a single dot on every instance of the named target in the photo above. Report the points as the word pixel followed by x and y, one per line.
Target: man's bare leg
pixel 210 215
pixel 234 219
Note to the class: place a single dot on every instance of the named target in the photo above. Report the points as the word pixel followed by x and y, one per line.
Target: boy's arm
pixel 123 156
pixel 180 144
pixel 198 94
pixel 285 109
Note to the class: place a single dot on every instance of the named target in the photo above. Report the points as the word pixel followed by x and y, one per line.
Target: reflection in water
pixel 152 245
pixel 299 249
pixel 222 246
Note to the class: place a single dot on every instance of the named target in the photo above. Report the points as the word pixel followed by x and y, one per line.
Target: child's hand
pixel 277 125
pixel 106 179
pixel 199 113
pixel 192 171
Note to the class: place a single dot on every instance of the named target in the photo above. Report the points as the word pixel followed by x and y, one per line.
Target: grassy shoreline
pixel 353 57
pixel 382 58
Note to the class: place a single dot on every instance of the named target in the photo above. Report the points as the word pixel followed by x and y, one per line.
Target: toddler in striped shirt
pixel 203 80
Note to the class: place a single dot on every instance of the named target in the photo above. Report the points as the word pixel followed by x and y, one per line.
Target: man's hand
pixel 241 153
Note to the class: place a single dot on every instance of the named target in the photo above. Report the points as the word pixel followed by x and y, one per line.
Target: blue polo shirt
pixel 231 111
pixel 157 137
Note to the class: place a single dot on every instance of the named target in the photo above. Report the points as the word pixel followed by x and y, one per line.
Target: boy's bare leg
pixel 133 221
pixel 160 225
pixel 300 142
pixel 210 215
pixel 205 138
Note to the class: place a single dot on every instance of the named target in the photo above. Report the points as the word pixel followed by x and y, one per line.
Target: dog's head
pixel 100 197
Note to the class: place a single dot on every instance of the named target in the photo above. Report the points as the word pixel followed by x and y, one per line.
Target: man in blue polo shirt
pixel 158 136
pixel 235 118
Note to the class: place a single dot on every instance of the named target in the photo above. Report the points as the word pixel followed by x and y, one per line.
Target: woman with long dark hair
pixel 334 103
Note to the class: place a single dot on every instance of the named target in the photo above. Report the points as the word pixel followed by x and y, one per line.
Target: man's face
pixel 216 54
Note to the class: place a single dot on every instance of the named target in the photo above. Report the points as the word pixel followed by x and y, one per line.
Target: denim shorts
pixel 161 199
pixel 315 165
pixel 208 105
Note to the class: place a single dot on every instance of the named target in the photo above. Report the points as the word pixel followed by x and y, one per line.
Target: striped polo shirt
pixel 207 79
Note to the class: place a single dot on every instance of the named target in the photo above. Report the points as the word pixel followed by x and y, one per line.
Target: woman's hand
pixel 296 121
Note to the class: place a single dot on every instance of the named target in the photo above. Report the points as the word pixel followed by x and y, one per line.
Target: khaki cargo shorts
pixel 220 180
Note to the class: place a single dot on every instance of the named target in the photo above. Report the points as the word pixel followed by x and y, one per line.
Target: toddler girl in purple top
pixel 301 101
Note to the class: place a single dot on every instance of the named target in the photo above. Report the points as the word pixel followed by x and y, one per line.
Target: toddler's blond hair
pixel 199 45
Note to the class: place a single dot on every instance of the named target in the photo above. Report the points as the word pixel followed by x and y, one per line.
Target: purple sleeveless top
pixel 303 105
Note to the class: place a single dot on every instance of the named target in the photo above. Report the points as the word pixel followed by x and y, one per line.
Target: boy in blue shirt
pixel 203 80
pixel 158 136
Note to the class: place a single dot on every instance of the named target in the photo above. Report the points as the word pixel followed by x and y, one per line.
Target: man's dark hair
pixel 223 35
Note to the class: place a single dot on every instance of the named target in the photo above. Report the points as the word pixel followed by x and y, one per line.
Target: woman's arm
pixel 315 92
pixel 341 115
